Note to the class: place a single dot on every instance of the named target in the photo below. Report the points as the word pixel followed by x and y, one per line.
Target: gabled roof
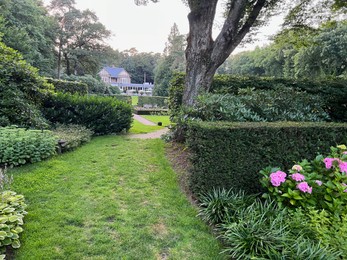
pixel 114 72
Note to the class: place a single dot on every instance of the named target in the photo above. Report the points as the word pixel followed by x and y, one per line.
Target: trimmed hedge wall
pixel 333 92
pixel 126 99
pixel 102 115
pixel 231 155
pixel 72 87
pixel 154 101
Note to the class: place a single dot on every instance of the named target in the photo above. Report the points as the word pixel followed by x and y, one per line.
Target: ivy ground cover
pixel 114 198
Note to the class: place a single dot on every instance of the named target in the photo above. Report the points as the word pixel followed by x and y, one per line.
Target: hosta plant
pixel 320 183
pixel 12 211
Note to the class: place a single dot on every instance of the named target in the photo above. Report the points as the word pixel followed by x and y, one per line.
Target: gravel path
pixel 143 120
pixel 151 135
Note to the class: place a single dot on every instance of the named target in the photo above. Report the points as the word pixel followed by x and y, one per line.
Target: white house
pixel 121 78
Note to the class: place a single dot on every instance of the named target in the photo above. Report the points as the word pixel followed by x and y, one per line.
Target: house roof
pixel 114 72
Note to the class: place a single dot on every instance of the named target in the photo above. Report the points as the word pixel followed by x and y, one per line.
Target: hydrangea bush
pixel 320 183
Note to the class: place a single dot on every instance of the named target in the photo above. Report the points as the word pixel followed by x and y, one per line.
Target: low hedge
pixel 160 102
pixel 102 115
pixel 71 136
pixel 72 87
pixel 334 92
pixel 124 98
pixel 231 155
pixel 20 146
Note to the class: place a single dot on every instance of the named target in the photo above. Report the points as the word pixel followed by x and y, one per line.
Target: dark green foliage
pixel 254 229
pixel 12 211
pixel 103 115
pixel 72 135
pixel 176 92
pixel 126 99
pixel 280 104
pixel 72 87
pixel 94 86
pixel 231 155
pixel 21 90
pixel 20 146
pixel 160 102
pixel 334 93
pixel 220 205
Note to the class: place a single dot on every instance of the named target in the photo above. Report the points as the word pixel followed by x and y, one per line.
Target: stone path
pixel 143 120
pixel 152 135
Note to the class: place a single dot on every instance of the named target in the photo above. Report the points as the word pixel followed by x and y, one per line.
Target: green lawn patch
pixel 114 198
pixel 155 119
pixel 139 128
pixel 134 100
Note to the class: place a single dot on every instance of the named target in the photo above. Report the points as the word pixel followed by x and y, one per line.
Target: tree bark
pixel 203 54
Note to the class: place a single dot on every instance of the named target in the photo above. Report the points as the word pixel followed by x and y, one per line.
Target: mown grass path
pixel 114 198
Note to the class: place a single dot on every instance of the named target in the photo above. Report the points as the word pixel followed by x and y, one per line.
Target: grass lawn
pixel 114 198
pixel 134 100
pixel 155 119
pixel 138 128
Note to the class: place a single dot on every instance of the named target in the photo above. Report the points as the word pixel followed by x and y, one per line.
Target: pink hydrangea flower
pixel 277 178
pixel 329 162
pixel 319 182
pixel 297 177
pixel 304 187
pixel 343 167
pixel 297 167
pixel 345 152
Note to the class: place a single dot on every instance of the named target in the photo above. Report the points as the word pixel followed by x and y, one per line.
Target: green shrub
pixel 72 87
pixel 334 93
pixel 94 85
pixel 21 90
pixel 20 146
pixel 254 229
pixel 159 102
pixel 71 135
pixel 220 205
pixel 124 98
pixel 103 115
pixel 321 183
pixel 12 211
pixel 231 155
pixel 281 104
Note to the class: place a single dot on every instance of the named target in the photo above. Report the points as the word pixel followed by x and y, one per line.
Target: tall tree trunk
pixel 203 54
pixel 67 61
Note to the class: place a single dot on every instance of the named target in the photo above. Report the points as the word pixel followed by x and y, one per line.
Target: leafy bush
pixel 95 86
pixel 220 205
pixel 12 211
pixel 72 136
pixel 124 98
pixel 21 90
pixel 72 87
pixel 160 102
pixel 258 229
pixel 21 146
pixel 321 183
pixel 334 93
pixel 230 155
pixel 281 104
pixel 103 115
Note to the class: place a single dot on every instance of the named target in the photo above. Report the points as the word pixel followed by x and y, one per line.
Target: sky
pixel 146 28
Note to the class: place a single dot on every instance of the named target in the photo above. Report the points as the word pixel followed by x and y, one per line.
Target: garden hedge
pixel 334 92
pixel 72 87
pixel 124 98
pixel 230 155
pixel 102 115
pixel 154 101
